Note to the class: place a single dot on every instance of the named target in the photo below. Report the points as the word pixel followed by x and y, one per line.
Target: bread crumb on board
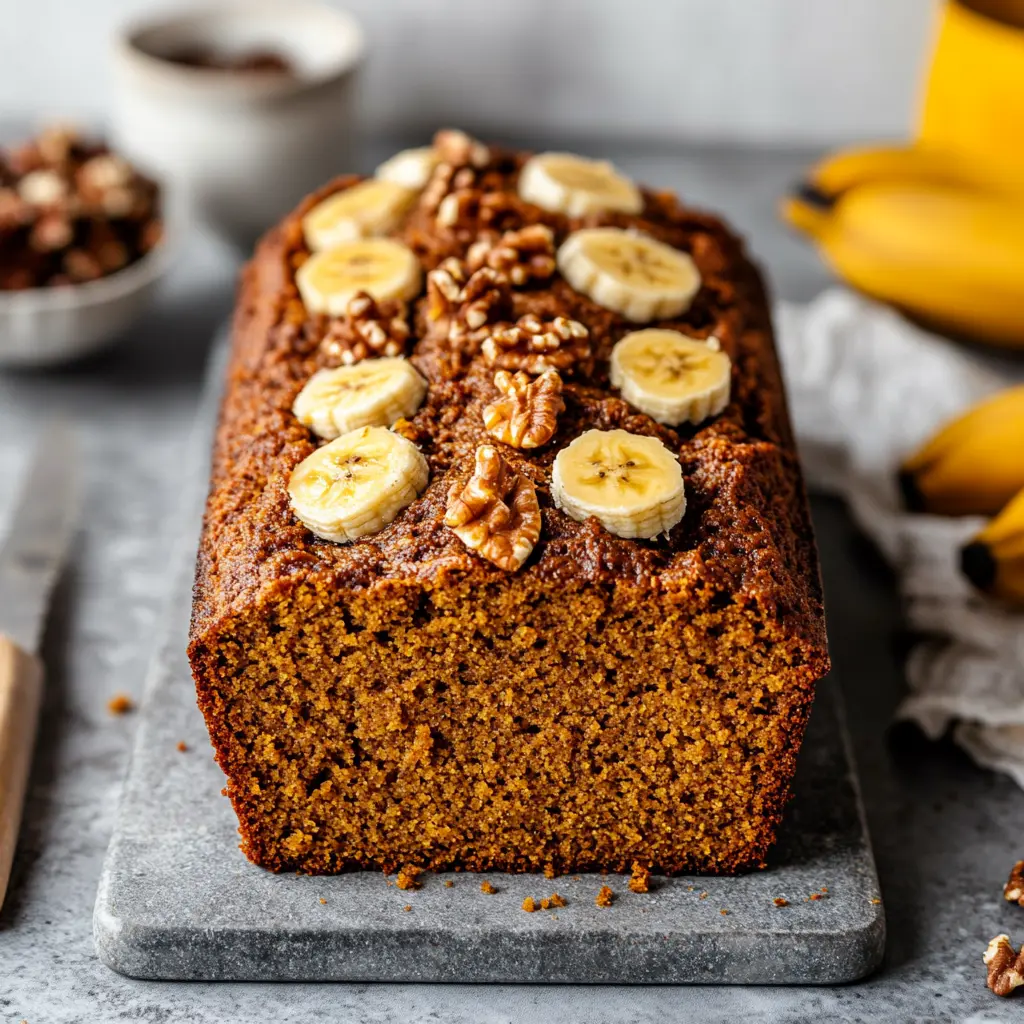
pixel 181 746
pixel 408 878
pixel 486 887
pixel 120 704
pixel 529 904
pixel 780 902
pixel 605 897
pixel 640 879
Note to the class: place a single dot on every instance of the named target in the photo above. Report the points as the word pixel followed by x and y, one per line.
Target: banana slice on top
pixel 357 484
pixel 672 378
pixel 372 393
pixel 411 168
pixel 380 266
pixel 632 484
pixel 371 208
pixel 573 185
pixel 629 273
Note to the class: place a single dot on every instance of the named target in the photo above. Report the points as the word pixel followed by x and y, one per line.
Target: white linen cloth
pixel 865 388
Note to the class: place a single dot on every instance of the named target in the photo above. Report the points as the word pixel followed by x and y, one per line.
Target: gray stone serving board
pixel 177 900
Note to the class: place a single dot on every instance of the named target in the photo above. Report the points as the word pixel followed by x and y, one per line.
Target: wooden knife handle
pixel 21 694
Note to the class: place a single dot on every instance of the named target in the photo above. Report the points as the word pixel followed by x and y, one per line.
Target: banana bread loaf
pixel 506 561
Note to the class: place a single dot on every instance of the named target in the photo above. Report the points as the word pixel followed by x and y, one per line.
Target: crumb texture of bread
pixel 400 701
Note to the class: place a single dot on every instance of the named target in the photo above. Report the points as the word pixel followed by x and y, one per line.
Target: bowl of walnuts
pixel 81 248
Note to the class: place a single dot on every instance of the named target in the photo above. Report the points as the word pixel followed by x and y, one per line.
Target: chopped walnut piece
pixel 527 415
pixel 107 182
pixel 464 306
pixel 460 158
pixel 1014 890
pixel 496 514
pixel 368 328
pixel 461 204
pixel 51 232
pixel 14 211
pixel 1005 967
pixel 459 149
pixel 408 878
pixel 535 345
pixel 605 897
pixel 523 255
pixel 640 878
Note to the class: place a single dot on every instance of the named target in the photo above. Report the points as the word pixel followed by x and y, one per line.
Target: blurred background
pixel 871 154
pixel 724 70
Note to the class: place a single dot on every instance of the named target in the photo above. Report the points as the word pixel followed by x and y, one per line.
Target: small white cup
pixel 239 148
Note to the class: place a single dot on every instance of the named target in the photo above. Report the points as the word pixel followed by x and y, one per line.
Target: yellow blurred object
pixel 994 560
pixel 936 227
pixel 868 165
pixel 950 255
pixel 974 92
pixel 973 465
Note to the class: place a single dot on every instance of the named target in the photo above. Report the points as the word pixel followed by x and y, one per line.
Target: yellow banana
pixel 949 255
pixel 975 464
pixel 863 165
pixel 994 560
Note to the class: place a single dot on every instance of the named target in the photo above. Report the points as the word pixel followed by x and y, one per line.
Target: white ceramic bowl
pixel 239 148
pixel 42 327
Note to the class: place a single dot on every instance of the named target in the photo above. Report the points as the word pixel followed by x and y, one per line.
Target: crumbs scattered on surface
pixel 486 887
pixel 875 899
pixel 604 897
pixel 449 883
pixel 322 900
pixel 408 878
pixel 724 913
pixel 703 895
pixel 690 888
pixel 824 888
pixel 120 704
pixel 815 896
pixel 181 746
pixel 554 900
pixel 529 905
pixel 639 880
pixel 407 907
pixel 780 902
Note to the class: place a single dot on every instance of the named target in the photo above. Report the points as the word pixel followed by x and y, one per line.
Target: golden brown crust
pixel 731 599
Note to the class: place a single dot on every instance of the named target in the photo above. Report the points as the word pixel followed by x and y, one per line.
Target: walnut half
pixel 1005 967
pixel 527 414
pixel 1014 890
pixel 496 514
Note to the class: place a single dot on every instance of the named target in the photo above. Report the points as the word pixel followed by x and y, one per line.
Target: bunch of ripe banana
pixel 935 234
pixel 975 466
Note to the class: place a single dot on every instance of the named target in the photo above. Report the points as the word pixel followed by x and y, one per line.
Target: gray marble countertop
pixel 944 832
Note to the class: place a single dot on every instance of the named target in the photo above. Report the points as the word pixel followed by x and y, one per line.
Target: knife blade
pixel 30 561
pixel 40 529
